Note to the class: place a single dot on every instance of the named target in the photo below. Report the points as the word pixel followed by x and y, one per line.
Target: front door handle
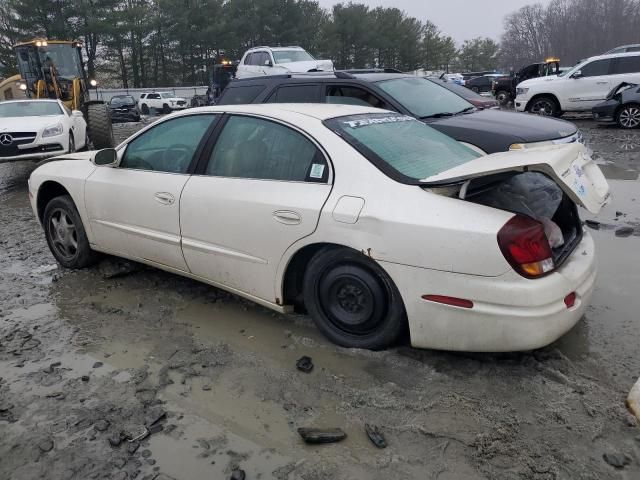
pixel 164 198
pixel 602 83
pixel 287 217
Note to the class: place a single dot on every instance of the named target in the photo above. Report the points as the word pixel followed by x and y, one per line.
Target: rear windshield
pixel 240 95
pixel 401 146
pixel 29 109
pixel 128 100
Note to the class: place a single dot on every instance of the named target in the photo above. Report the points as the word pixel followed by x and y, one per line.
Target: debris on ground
pixel 375 435
pixel 633 400
pixel 238 474
pixel 616 460
pixel 304 364
pixel 112 267
pixel 319 435
pixel 624 232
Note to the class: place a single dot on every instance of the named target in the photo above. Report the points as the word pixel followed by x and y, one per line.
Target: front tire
pixel 72 143
pixel 65 234
pixel 352 300
pixel 99 126
pixel 629 117
pixel 166 108
pixel 545 106
pixel 475 89
pixel 503 97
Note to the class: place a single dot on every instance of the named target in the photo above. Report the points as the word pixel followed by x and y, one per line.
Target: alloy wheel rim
pixel 63 234
pixel 543 107
pixel 630 117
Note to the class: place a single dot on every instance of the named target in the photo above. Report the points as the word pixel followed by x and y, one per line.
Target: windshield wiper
pixel 438 115
pixel 467 110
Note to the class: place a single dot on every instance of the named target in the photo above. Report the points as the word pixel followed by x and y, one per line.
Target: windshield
pixel 288 56
pixel 64 58
pixel 128 100
pixel 29 109
pixel 401 146
pixel 424 98
pixel 167 95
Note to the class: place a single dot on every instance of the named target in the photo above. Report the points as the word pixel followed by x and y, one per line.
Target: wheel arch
pixel 539 95
pixel 49 190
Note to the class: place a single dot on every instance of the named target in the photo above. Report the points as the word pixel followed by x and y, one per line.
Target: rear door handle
pixel 287 217
pixel 164 198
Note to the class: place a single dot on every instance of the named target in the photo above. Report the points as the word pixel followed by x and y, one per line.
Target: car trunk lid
pixel 569 166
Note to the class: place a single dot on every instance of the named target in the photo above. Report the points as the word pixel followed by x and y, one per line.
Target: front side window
pixel 153 96
pixel 288 56
pixel 247 59
pixel 596 68
pixel 251 147
pixel 423 98
pixel 401 146
pixel 347 95
pixel 167 147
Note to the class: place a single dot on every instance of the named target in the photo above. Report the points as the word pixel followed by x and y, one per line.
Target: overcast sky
pixel 462 19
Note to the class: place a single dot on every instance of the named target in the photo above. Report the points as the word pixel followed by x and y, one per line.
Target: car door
pixel 262 189
pixel 590 87
pixel 625 69
pixel 133 209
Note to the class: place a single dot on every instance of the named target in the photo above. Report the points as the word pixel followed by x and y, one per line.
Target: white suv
pixel 580 88
pixel 162 101
pixel 260 61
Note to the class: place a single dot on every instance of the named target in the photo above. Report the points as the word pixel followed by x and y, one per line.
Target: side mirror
pixel 77 113
pixel 267 63
pixel 107 157
pixel 577 74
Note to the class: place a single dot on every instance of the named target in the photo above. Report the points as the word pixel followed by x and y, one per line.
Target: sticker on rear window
pixel 317 169
pixel 376 121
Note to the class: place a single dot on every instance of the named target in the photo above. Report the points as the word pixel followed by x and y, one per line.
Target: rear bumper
pixel 510 313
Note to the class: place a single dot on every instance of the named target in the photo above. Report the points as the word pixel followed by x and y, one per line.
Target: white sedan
pixel 38 129
pixel 371 221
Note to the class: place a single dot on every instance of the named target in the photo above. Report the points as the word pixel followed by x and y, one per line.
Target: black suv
pixel 489 130
pixel 123 108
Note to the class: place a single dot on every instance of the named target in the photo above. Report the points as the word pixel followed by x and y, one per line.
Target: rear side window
pixel 144 95
pixel 401 146
pixel 626 65
pixel 260 149
pixel 240 95
pixel 347 95
pixel 295 94
pixel 596 68
pixel 153 96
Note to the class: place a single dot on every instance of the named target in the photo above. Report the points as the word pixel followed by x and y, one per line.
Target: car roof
pixel 320 77
pixel 611 55
pixel 319 111
pixel 275 49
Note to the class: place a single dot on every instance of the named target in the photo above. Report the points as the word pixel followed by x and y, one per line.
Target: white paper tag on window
pixel 317 169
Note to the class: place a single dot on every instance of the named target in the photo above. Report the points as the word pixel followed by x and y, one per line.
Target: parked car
pixel 123 108
pixel 165 102
pixel 622 106
pixel 39 129
pixel 504 87
pixel 481 84
pixel 455 78
pixel 470 75
pixel 261 61
pixel 369 220
pixel 470 96
pixel 581 88
pixel 487 130
pixel 624 49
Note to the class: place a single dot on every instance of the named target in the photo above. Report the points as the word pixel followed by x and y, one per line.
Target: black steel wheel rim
pixel 353 299
pixel 543 107
pixel 63 234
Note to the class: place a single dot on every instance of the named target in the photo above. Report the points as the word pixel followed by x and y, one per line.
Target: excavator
pixel 54 69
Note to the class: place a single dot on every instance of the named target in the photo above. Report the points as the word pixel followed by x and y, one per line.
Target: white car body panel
pixel 241 234
pixel 281 68
pixel 35 125
pixel 575 94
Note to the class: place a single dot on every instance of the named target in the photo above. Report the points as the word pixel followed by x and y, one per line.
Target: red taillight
pixel 525 246
pixel 456 302
pixel 570 300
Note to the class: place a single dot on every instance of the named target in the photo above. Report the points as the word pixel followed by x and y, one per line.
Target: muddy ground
pixel 84 358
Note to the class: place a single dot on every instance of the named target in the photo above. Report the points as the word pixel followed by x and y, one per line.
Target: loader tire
pixel 99 126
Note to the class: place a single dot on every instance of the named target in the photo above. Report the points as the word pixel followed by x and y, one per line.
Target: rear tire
pixel 352 300
pixel 628 117
pixel 65 234
pixel 144 109
pixel 545 106
pixel 99 126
